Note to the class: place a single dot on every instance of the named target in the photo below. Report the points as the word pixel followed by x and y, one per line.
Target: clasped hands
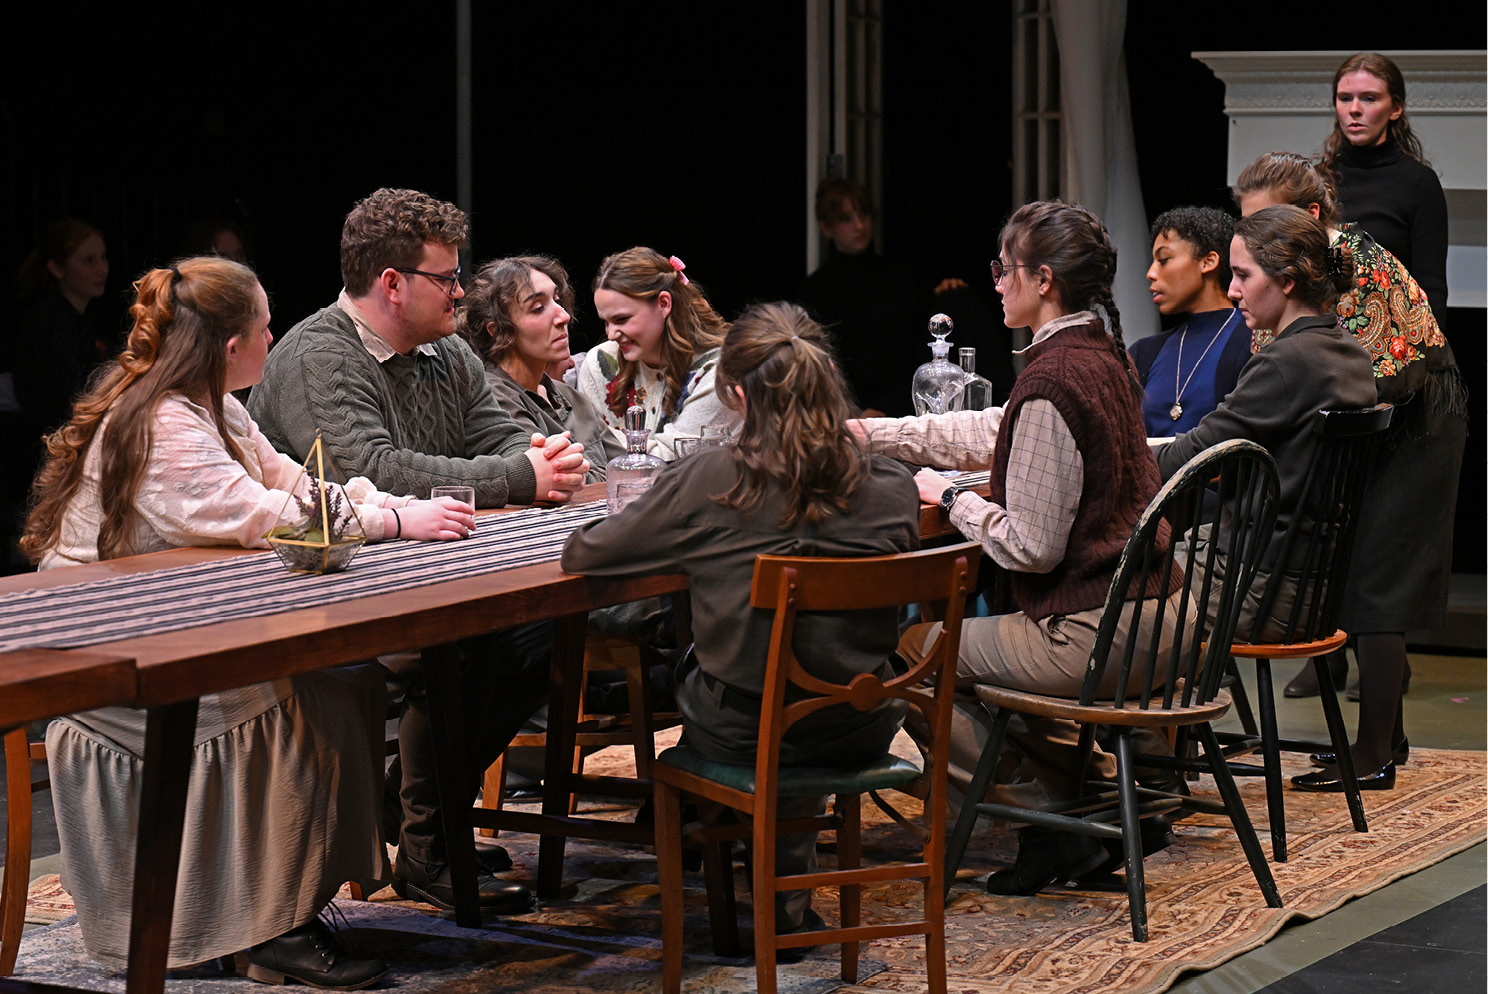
pixel 559 465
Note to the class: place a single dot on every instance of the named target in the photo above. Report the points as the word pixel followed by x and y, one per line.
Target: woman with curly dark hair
pixel 516 316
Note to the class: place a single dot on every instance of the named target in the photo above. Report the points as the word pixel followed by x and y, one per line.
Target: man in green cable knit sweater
pixel 402 400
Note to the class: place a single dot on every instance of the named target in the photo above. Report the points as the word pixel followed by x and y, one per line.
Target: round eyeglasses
pixel 1000 269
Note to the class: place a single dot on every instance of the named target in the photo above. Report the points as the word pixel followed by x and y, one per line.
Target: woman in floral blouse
pixel 1403 554
pixel 663 348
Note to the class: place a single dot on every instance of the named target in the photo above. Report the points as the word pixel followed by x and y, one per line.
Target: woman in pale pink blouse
pixel 159 454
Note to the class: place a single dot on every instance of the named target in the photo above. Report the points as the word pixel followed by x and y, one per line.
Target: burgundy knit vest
pixel 1076 371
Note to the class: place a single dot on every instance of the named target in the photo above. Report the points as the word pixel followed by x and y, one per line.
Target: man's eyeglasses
pixel 1000 269
pixel 450 281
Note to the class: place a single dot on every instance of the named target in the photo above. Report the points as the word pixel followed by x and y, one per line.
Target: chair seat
pixel 1101 712
pixel 1289 650
pixel 881 774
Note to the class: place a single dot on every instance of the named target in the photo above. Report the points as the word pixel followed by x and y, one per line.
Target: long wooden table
pixel 174 669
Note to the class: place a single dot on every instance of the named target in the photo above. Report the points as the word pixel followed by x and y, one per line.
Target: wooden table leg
pixel 565 686
pixel 169 732
pixel 447 722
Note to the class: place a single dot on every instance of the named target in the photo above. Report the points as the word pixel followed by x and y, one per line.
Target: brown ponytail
pixel 795 432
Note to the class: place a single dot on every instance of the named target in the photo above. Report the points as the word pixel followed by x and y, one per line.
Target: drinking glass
pixel 463 494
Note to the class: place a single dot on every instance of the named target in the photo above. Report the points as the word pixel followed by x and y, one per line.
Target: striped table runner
pixel 255 585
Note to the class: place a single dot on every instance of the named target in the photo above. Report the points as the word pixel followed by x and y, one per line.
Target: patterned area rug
pixel 1203 905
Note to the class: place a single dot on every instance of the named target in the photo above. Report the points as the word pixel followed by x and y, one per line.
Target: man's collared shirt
pixel 374 343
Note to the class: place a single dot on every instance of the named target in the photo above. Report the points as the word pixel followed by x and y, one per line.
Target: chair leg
pixel 1271 759
pixel 1131 836
pixel 1241 698
pixel 17 848
pixel 669 876
pixel 850 856
pixel 762 890
pixel 1239 817
pixel 1338 732
pixel 638 693
pixel 492 789
pixel 723 905
pixel 966 821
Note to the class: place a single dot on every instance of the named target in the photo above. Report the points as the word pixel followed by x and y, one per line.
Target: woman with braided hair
pixel 662 353
pixel 1070 475
pixel 796 484
pixel 158 454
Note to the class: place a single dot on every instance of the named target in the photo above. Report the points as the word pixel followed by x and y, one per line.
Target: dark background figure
pixel 218 236
pixel 878 309
pixel 871 306
pixel 62 335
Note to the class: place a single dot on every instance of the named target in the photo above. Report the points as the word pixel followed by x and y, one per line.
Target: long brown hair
pixel 184 317
pixel 692 328
pixel 795 415
pixel 1399 130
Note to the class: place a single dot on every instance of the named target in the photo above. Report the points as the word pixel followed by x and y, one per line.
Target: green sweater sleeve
pixel 410 424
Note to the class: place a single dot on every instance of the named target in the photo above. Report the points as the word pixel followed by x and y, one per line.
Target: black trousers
pixel 503 680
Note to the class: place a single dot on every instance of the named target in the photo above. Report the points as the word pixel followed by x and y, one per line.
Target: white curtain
pixel 1100 157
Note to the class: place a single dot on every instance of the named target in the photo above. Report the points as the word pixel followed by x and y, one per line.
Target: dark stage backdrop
pixel 597 127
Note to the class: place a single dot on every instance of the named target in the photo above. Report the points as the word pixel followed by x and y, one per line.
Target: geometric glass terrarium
pixel 319 533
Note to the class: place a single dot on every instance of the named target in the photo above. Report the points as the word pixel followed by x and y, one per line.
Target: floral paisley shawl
pixel 1387 312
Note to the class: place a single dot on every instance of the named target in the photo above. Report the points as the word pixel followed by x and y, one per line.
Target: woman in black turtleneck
pixel 1382 179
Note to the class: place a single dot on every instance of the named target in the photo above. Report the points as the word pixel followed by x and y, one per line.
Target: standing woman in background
pixel 1380 175
pixel 662 353
pixel 1402 560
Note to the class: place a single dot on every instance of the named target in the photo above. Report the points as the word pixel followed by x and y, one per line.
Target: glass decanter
pixel 977 394
pixel 630 475
pixel 938 384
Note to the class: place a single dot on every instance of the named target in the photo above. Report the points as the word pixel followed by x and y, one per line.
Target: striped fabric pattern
pixel 255 585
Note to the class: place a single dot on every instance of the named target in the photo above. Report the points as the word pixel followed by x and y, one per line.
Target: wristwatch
pixel 949 497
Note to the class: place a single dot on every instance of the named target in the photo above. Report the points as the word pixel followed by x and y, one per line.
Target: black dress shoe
pixel 1045 857
pixel 430 883
pixel 1328 782
pixel 491 858
pixel 308 954
pixel 1398 755
pixel 1305 683
pixel 1157 835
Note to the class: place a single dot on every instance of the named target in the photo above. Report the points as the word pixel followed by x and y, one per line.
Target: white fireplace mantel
pixel 1282 101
